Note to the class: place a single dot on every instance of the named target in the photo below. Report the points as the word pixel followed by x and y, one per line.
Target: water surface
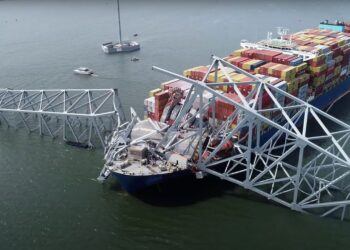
pixel 49 197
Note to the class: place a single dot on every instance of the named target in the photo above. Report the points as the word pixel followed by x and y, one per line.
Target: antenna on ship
pixel 269 36
pixel 290 39
pixel 282 32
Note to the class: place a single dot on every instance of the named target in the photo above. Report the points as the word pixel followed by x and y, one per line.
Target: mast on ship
pixel 120 46
pixel 120 27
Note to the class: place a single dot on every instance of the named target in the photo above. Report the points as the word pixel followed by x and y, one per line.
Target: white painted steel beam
pixel 83 116
pixel 282 160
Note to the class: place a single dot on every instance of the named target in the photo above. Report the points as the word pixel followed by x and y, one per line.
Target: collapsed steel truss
pixel 296 159
pixel 81 116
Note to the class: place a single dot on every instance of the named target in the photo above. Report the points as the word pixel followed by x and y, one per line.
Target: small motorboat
pixel 83 71
pixel 134 59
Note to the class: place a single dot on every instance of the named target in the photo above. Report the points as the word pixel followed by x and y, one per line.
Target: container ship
pixel 312 65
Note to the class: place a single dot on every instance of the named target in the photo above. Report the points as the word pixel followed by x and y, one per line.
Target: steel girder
pixel 294 154
pixel 78 115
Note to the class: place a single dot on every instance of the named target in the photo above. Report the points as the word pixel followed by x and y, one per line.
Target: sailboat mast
pixel 120 27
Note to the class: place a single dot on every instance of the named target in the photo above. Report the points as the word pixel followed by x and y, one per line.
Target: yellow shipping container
pixel 220 75
pixel 292 86
pixel 302 48
pixel 270 70
pixel 318 58
pixel 317 81
pixel 337 70
pixel 248 64
pixel 154 91
pixel 289 73
pixel 301 67
pixel 237 77
pixel 318 41
pixel 211 76
pixel 308 35
pixel 319 68
pixel 338 59
pixel 341 42
pixel 303 78
pixel 238 52
pixel 187 72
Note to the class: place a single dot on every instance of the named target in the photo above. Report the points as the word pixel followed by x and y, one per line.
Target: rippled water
pixel 49 198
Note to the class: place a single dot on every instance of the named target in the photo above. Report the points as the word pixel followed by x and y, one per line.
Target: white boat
pixel 117 47
pixel 83 71
pixel 120 46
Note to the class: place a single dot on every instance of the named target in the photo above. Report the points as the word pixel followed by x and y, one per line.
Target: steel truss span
pixel 80 116
pixel 291 154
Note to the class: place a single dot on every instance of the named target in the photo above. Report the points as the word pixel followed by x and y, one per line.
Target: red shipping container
pixel 266 101
pixel 161 100
pixel 318 74
pixel 311 44
pixel 249 53
pixel 235 61
pixel 155 116
pixel 199 73
pixel 333 45
pixel 264 68
pixel 283 59
pixel 225 109
pixel 245 89
pixel 266 55
pixel 330 71
pixel 293 93
pixel 336 52
pixel 317 63
pixel 319 90
pixel 178 84
pixel 346 52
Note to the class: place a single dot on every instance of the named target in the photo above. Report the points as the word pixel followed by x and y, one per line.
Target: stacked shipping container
pixel 284 70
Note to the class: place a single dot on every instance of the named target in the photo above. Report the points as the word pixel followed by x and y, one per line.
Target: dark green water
pixel 49 198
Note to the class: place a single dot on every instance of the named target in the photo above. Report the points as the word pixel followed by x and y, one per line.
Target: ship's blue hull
pixel 133 184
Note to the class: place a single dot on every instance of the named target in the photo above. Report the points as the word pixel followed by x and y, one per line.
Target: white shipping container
pixel 162 85
pixel 302 92
pixel 330 63
pixel 280 97
pixel 330 76
pixel 150 103
pixel 344 71
pixel 207 97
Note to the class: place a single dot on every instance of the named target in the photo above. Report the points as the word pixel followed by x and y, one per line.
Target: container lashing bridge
pixel 83 117
pixel 296 159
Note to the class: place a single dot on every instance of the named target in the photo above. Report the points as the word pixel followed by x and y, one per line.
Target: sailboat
pixel 120 46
